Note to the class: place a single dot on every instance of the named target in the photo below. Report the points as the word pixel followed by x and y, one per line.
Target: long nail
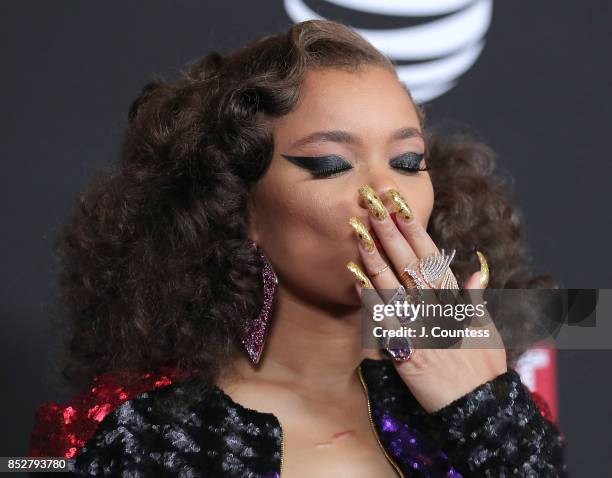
pixel 403 209
pixel 375 205
pixel 484 270
pixel 363 279
pixel 361 231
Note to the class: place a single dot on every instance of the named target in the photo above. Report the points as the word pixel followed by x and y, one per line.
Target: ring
pixel 411 279
pixel 380 271
pixel 399 354
pixel 404 349
pixel 434 266
pixel 399 295
pixel 431 268
pixel 449 281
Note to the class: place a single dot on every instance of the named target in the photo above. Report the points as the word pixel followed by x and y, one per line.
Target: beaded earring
pixel 254 331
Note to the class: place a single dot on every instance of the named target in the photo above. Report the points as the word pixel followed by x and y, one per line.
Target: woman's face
pixel 300 219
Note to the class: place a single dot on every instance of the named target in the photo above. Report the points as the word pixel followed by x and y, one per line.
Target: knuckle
pixel 415 229
pixel 411 263
pixel 387 231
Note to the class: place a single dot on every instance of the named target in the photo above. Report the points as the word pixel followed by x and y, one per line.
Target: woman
pixel 301 159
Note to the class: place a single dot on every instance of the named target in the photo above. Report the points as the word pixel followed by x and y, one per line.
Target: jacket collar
pixel 398 420
pixel 238 439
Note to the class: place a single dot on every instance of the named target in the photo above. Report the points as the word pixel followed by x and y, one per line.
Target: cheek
pixel 308 240
pixel 425 202
pixel 298 223
pixel 419 195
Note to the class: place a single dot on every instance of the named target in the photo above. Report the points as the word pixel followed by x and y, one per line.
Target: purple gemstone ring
pixel 399 353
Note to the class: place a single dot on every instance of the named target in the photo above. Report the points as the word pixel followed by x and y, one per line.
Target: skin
pixel 313 347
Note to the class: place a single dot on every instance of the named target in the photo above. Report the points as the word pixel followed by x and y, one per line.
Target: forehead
pixel 368 102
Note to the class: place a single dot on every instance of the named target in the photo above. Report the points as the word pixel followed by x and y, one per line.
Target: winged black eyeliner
pixel 320 166
pixel 315 163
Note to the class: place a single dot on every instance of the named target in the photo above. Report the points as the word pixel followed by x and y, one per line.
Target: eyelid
pixel 317 159
pixel 408 153
pixel 319 164
pixel 314 163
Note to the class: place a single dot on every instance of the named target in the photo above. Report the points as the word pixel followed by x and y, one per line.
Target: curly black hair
pixel 156 265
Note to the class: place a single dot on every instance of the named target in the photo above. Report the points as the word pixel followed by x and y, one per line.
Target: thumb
pixel 475 281
pixel 481 276
pixel 479 280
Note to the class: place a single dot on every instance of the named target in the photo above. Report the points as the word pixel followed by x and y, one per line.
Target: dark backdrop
pixel 539 95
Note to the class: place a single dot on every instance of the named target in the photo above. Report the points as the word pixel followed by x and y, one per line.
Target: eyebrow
pixel 339 136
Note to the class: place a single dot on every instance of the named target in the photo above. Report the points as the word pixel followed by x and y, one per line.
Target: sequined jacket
pixel 499 429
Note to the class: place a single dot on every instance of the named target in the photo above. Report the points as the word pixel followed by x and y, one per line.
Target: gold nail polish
pixel 403 210
pixel 484 270
pixel 359 275
pixel 375 205
pixel 361 231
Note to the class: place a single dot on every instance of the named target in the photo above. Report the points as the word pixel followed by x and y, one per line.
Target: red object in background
pixel 538 370
pixel 61 430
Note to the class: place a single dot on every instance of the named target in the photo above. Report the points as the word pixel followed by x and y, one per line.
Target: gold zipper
pixel 365 388
pixel 280 473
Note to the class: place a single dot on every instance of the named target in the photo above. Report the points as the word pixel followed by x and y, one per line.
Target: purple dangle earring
pixel 254 331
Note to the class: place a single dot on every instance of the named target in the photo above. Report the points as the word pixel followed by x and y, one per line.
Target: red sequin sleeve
pixel 61 430
pixel 544 409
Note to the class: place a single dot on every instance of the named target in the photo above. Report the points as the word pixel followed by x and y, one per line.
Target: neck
pixel 310 347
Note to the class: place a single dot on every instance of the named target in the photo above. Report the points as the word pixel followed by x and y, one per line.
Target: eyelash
pixel 336 170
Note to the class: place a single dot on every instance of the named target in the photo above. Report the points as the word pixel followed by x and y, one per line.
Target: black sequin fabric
pixel 497 431
pixel 215 438
pixel 494 431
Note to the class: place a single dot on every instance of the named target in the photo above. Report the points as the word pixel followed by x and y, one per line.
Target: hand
pixel 436 377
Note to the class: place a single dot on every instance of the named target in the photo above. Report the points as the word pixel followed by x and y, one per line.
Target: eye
pixel 320 166
pixel 409 162
pixel 333 165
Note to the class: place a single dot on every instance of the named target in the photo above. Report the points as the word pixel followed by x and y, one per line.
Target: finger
pixel 378 270
pixel 412 230
pixel 396 246
pixel 368 294
pixel 474 282
pixel 370 298
pixel 388 320
pixel 475 287
pixel 473 294
pixel 363 283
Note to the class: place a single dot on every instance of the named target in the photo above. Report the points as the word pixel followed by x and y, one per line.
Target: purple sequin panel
pixel 271 474
pixel 411 449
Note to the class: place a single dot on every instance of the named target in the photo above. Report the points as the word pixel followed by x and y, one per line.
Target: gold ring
pixel 380 271
pixel 411 280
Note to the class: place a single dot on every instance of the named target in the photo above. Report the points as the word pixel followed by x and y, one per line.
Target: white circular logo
pixel 440 50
